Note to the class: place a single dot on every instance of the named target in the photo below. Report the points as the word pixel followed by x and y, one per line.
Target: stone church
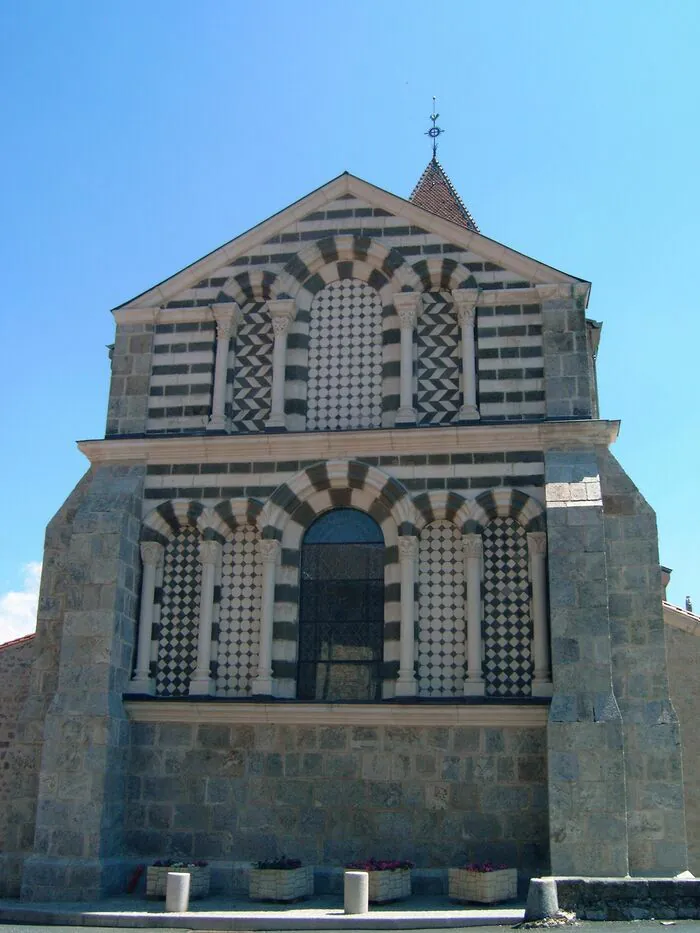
pixel 352 573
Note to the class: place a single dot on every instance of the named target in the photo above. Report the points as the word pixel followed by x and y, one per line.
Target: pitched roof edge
pixel 17 641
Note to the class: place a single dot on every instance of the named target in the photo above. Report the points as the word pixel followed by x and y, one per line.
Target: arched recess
pixel 249 378
pixel 287 514
pixel 339 259
pixel 341 608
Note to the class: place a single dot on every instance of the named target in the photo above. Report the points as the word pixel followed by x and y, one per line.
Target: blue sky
pixel 139 136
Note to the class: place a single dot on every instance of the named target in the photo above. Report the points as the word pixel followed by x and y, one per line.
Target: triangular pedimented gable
pixel 347 186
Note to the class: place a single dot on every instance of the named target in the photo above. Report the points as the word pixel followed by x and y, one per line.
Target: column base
pixel 217 423
pixel 145 685
pixel 474 688
pixel 406 416
pixel 262 685
pixel 541 688
pixel 406 685
pixel 469 413
pixel 202 686
pixel 276 421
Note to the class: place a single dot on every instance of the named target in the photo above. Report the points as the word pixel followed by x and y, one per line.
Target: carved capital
pixel 473 546
pixel 151 553
pixel 209 551
pixel 268 548
pixel 465 300
pixel 537 543
pixel 282 311
pixel 227 317
pixel 408 547
pixel 408 307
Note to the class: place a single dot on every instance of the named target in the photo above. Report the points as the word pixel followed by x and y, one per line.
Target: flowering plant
pixel 280 863
pixel 373 864
pixel 483 866
pixel 178 863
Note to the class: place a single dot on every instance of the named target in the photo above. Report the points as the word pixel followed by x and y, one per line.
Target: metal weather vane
pixel 434 131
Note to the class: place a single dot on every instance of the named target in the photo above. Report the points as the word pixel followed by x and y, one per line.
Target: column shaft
pixel 282 311
pixel 407 306
pixel 465 303
pixel 269 549
pixel 151 554
pixel 226 317
pixel 542 680
pixel 406 685
pixel 201 683
pixel 473 564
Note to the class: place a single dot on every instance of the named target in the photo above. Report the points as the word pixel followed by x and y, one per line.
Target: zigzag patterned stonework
pixel 249 395
pixel 345 358
pixel 507 628
pixel 441 641
pixel 438 361
pixel 179 614
pixel 239 614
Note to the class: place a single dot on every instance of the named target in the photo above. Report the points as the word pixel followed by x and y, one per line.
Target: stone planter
pixel 389 885
pixel 484 887
pixel 281 884
pixel 157 879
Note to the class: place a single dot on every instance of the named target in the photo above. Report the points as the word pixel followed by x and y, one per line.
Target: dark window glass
pixel 341 611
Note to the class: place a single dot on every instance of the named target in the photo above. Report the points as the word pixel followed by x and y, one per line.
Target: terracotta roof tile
pixel 435 193
pixel 17 641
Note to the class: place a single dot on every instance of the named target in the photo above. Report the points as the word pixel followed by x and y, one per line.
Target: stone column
pixel 151 555
pixel 209 555
pixel 227 317
pixel 473 550
pixel 408 308
pixel 465 302
pixel 269 548
pixel 282 312
pixel 406 685
pixel 542 680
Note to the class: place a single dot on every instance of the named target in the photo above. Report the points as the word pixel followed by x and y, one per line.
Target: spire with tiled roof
pixel 435 193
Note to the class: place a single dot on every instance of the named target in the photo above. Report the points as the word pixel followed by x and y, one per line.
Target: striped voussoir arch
pixel 472 515
pixel 439 274
pixel 292 508
pixel 309 272
pixel 216 523
pixel 246 287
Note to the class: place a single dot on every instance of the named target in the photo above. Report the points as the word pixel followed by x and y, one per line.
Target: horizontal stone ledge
pixel 374 714
pixel 480 438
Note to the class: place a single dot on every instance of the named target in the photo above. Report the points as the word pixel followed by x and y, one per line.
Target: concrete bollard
pixel 356 892
pixel 542 900
pixel 177 892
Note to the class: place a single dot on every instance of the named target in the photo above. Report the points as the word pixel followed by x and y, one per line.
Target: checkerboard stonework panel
pixel 179 614
pixel 345 358
pixel 438 361
pixel 251 379
pixel 441 611
pixel 507 627
pixel 239 614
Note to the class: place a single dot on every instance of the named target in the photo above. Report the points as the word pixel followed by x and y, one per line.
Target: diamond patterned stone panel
pixel 506 625
pixel 179 615
pixel 437 339
pixel 345 358
pixel 441 612
pixel 239 614
pixel 249 397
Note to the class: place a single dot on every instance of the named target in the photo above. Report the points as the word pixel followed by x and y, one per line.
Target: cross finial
pixel 434 130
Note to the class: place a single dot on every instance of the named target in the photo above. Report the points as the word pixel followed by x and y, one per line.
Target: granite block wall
pixel 330 794
pixel 653 759
pixel 683 653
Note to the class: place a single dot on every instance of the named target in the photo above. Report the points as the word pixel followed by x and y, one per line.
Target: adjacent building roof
pixel 436 193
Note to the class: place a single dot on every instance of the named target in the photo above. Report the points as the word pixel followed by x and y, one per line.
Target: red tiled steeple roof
pixel 435 193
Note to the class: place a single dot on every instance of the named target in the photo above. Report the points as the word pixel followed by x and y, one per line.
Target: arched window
pixel 341 608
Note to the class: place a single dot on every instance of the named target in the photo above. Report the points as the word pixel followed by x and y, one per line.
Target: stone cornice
pixel 333 445
pixel 375 714
pixel 487 298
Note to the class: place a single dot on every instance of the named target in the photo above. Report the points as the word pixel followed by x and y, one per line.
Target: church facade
pixel 352 573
